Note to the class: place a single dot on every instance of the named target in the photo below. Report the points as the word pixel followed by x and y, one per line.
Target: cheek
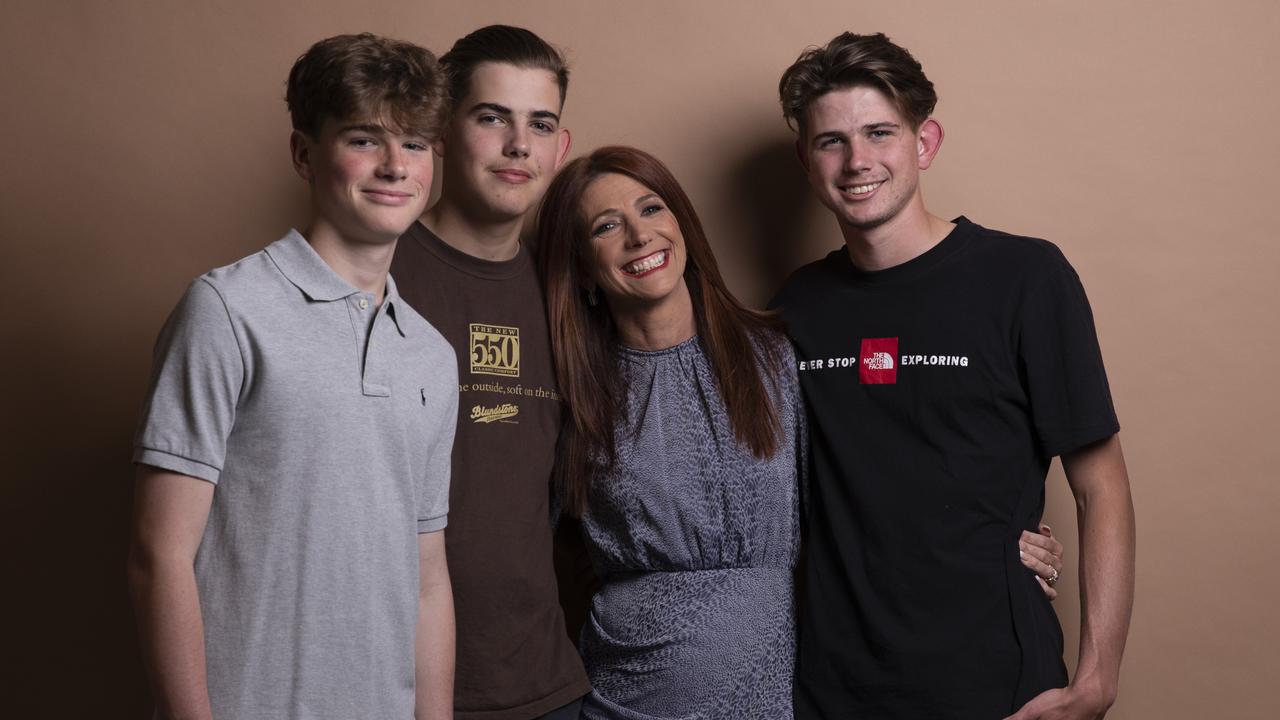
pixel 544 152
pixel 607 265
pixel 597 262
pixel 346 170
pixel 426 172
pixel 823 168
pixel 480 145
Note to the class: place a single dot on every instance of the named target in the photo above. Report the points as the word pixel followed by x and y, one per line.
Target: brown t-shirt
pixel 515 660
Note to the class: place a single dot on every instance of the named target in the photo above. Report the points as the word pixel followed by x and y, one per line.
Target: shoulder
pixel 1007 252
pixel 246 275
pixel 209 297
pixel 777 357
pixel 426 337
pixel 772 342
pixel 810 281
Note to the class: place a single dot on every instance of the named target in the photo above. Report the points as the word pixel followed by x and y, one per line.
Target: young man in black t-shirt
pixel 944 365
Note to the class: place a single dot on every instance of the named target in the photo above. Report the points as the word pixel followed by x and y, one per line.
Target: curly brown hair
pixel 850 60
pixel 349 76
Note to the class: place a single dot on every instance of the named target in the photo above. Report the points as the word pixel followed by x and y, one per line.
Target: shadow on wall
pixel 76 391
pixel 69 623
pixel 770 188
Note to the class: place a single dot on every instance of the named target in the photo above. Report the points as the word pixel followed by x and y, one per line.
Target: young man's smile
pixel 863 158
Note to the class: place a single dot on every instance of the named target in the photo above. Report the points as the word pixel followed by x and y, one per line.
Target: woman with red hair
pixel 681 450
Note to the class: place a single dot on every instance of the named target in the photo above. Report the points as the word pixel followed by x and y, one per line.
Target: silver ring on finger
pixel 1052 579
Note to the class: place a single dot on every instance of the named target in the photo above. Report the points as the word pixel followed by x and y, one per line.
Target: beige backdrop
pixel 145 142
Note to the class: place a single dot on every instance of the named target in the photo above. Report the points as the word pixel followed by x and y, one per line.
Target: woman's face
pixel 637 254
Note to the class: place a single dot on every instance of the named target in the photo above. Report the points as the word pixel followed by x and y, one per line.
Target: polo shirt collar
pixel 300 264
pixel 392 304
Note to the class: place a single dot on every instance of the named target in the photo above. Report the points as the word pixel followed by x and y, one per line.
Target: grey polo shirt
pixel 326 423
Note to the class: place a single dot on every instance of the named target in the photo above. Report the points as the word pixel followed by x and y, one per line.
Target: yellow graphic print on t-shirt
pixel 495 350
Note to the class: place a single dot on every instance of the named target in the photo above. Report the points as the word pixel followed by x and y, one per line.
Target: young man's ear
pixel 438 145
pixel 564 142
pixel 300 151
pixel 928 142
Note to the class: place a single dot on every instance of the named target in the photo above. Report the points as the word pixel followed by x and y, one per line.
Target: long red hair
pixel 739 342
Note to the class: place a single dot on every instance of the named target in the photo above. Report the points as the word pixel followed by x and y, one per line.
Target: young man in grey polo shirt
pixel 288 557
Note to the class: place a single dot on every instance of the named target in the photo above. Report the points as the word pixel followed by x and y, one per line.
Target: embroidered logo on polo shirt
pixel 495 350
pixel 875 361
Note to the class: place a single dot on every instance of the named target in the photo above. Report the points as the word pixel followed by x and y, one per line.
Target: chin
pixel 511 205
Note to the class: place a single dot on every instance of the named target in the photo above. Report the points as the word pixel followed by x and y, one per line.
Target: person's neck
pixel 657 327
pixel 910 234
pixel 481 237
pixel 364 266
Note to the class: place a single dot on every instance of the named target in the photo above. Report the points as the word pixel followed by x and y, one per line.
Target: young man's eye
pixel 543 127
pixel 830 142
pixel 362 142
pixel 416 146
pixel 489 120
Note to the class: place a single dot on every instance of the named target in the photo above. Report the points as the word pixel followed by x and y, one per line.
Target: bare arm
pixel 435 633
pixel 170 511
pixel 1104 511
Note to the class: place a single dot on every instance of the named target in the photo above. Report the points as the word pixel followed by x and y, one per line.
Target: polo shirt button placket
pixel 373 379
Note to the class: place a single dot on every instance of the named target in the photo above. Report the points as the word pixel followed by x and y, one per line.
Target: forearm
pixel 1107 546
pixel 435 644
pixel 171 631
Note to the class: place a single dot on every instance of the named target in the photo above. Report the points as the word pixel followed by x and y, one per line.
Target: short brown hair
pixel 850 60
pixel 350 76
pixel 742 345
pixel 501 44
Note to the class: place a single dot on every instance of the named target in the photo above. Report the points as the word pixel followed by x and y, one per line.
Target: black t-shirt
pixel 938 392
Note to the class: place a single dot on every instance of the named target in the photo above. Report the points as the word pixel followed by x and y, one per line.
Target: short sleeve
pixel 1061 363
pixel 433 486
pixel 196 380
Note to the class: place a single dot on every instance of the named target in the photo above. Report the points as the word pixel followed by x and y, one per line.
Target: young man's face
pixel 369 183
pixel 504 141
pixel 862 157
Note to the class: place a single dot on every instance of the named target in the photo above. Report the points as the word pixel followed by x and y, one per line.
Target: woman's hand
pixel 1043 554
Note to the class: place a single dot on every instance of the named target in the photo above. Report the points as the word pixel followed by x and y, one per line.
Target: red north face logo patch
pixel 878 361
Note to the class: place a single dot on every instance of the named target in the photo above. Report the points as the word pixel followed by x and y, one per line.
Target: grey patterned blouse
pixel 695 541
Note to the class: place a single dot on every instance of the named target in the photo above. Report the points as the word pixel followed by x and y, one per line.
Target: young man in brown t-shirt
pixel 464 268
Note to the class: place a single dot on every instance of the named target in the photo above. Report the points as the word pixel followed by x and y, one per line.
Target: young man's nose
pixel 393 163
pixel 518 142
